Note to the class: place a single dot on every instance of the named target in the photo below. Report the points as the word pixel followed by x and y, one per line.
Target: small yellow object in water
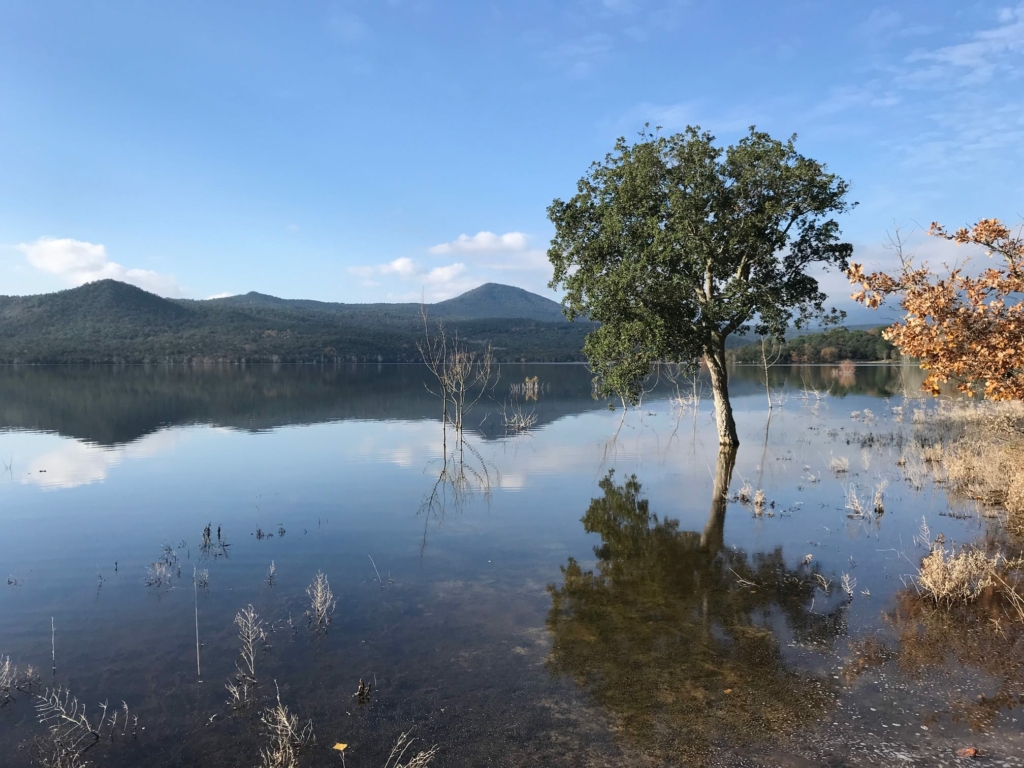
pixel 341 747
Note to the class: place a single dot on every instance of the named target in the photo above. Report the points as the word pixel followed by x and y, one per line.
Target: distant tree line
pixel 828 347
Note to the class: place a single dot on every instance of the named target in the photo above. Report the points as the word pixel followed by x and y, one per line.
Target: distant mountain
pixel 496 300
pixel 109 321
pixel 488 301
pixel 114 301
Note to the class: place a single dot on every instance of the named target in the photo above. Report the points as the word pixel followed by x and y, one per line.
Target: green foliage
pixel 831 346
pixel 111 322
pixel 672 244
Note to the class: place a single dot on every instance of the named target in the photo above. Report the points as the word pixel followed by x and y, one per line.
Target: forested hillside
pixel 109 321
pixel 827 347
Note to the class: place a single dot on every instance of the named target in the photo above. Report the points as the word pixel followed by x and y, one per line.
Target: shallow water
pixel 523 601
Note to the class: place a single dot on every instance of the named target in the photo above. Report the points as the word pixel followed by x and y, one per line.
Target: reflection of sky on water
pixel 67 463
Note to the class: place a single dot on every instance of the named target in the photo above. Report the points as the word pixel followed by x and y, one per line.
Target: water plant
pixel 879 500
pixel 321 602
pixel 286 736
pixel 950 577
pixel 516 420
pixel 251 634
pixel 839 465
pixel 421 759
pixel 72 732
pixel 849 584
pixel 8 680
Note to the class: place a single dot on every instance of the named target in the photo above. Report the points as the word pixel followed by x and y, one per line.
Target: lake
pixel 602 588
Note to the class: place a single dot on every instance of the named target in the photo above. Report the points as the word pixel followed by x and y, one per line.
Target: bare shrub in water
pixel 238 695
pixel 250 632
pixel 72 733
pixel 8 680
pixel 848 584
pixel 879 501
pixel 159 574
pixel 839 465
pixel 856 509
pixel 321 601
pixel 202 579
pixel 759 502
pixel 745 494
pixel 517 420
pixel 419 760
pixel 287 737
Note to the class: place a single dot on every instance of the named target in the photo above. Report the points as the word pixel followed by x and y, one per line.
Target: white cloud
pixel 403 267
pixel 510 251
pixel 496 254
pixel 78 262
pixel 483 242
pixel 220 295
pixel 437 284
pixel 843 98
pixel 978 58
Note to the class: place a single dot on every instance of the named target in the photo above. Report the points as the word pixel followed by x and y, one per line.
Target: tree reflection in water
pixel 673 633
pixel 464 473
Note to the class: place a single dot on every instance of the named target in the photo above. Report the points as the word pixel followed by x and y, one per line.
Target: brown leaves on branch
pixel 969 329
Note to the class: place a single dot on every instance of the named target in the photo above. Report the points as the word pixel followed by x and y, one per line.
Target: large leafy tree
pixel 672 244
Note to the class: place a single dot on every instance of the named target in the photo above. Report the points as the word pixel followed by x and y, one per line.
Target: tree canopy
pixel 673 243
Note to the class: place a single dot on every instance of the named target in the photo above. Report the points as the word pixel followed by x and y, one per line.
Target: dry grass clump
pixel 949 577
pixel 8 679
pixel 287 737
pixel 879 500
pixel 159 574
pixel 839 465
pixel 980 447
pixel 321 602
pixel 853 503
pixel 759 502
pixel 745 494
pixel 419 760
pixel 251 635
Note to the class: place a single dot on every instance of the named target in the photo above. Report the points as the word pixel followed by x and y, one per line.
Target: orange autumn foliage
pixel 969 329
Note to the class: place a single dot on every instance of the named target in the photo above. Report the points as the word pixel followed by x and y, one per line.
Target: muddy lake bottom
pixel 601 590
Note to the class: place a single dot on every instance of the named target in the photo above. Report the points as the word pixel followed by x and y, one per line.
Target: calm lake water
pixel 576 595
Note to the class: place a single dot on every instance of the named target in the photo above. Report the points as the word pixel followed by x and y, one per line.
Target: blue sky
pixel 368 151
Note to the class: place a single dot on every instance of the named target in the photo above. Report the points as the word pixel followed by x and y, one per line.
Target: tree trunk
pixel 714 357
pixel 714 531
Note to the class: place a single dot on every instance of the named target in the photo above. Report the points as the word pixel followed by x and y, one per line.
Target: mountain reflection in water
pixel 113 405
